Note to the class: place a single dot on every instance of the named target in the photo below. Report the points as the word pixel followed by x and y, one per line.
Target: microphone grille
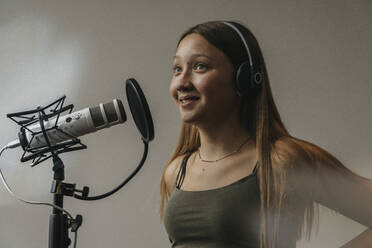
pixel 110 113
pixel 97 117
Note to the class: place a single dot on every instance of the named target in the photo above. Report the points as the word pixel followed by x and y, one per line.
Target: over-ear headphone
pixel 249 74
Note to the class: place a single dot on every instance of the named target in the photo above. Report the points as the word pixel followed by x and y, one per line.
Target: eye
pixel 200 66
pixel 176 69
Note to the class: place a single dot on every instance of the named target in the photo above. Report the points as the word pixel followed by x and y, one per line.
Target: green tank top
pixel 226 217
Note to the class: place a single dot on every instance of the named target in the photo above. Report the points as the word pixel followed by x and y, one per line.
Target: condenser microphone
pixel 73 125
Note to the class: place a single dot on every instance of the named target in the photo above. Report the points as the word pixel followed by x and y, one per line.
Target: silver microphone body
pixel 70 126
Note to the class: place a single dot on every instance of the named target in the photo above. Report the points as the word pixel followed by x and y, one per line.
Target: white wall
pixel 318 55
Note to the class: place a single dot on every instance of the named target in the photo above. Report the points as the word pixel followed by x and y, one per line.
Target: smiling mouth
pixel 183 98
pixel 188 102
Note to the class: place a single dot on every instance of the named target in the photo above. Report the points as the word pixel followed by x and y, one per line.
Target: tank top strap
pixel 182 172
pixel 255 168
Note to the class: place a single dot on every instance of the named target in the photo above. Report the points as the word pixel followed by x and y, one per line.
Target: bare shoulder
pixel 171 172
pixel 283 151
pixel 294 154
pixel 299 160
pixel 289 149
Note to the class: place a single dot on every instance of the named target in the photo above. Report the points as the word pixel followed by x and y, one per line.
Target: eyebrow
pixel 194 56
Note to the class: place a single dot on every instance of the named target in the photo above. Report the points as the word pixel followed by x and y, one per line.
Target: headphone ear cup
pixel 243 78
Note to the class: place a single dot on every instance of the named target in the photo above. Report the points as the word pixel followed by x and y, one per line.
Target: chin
pixel 189 119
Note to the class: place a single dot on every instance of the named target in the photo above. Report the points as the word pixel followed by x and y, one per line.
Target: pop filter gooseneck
pixel 142 117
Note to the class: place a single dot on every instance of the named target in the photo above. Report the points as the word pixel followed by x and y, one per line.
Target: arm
pixel 364 240
pixel 317 175
pixel 344 191
pixel 350 195
pixel 328 182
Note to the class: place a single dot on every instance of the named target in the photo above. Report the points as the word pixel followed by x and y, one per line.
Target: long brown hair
pixel 280 205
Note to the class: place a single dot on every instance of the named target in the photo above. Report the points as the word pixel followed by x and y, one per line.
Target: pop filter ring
pixel 139 109
pixel 142 117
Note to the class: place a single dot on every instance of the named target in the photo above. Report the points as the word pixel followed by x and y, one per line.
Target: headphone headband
pixel 249 75
pixel 243 39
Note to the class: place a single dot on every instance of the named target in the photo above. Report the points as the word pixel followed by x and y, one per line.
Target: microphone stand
pixel 59 222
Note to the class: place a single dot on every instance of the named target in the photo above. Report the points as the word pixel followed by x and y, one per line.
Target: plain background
pixel 318 55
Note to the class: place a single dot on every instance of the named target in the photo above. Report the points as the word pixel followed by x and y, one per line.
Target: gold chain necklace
pixel 212 161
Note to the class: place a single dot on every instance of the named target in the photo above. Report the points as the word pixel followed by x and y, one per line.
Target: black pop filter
pixel 142 117
pixel 139 109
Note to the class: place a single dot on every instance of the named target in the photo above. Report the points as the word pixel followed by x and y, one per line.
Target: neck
pixel 222 138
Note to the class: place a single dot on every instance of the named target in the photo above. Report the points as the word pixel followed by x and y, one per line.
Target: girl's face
pixel 203 72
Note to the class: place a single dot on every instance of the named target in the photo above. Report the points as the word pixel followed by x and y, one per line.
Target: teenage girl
pixel 237 178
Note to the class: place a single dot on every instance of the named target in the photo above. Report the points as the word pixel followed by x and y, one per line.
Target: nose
pixel 184 81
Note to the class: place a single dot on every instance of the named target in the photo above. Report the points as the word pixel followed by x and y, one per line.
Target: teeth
pixel 188 100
